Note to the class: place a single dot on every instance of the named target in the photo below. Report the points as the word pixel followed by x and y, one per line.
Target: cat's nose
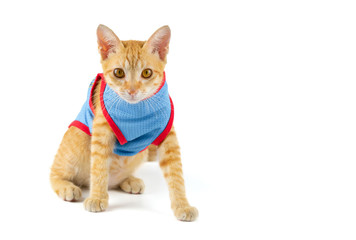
pixel 132 92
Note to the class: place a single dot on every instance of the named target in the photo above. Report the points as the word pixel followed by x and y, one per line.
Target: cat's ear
pixel 108 42
pixel 158 43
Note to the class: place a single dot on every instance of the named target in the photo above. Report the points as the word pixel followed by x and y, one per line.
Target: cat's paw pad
pixel 70 193
pixel 132 185
pixel 187 214
pixel 95 204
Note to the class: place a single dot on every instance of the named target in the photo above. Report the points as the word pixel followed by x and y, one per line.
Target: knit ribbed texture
pixel 140 123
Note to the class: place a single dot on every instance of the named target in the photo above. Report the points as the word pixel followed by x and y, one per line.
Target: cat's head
pixel 133 69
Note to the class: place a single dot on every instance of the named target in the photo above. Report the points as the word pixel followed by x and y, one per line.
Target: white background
pixel 264 93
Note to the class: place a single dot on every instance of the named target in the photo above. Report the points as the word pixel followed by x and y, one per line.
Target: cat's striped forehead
pixel 132 54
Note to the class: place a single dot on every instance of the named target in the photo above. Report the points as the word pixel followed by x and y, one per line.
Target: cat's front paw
pixel 187 214
pixel 69 193
pixel 132 185
pixel 95 204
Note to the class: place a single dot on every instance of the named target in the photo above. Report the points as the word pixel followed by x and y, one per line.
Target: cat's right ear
pixel 158 43
pixel 108 42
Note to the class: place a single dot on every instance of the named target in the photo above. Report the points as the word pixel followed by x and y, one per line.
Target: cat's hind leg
pixel 71 165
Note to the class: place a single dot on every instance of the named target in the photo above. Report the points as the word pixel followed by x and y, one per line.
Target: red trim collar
pixel 168 128
pixel 159 88
pixel 120 137
pixel 98 77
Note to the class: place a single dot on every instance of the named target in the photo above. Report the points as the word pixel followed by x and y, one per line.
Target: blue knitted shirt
pixel 136 126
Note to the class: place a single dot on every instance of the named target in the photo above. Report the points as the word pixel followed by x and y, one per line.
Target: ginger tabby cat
pixel 134 71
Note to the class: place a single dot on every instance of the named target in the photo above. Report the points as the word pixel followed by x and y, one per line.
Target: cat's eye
pixel 119 73
pixel 146 73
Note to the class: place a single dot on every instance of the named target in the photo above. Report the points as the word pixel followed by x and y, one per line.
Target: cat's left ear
pixel 158 43
pixel 108 42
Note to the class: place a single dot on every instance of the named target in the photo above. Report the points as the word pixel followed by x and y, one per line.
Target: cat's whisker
pixel 159 105
pixel 114 103
pixel 149 102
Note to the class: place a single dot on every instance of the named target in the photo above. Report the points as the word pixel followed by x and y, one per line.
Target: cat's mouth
pixel 132 99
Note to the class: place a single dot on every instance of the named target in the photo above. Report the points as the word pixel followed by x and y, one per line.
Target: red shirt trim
pixel 120 137
pixel 160 87
pixel 168 128
pixel 81 126
pixel 98 77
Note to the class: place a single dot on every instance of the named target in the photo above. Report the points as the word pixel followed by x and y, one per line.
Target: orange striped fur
pixel 84 160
